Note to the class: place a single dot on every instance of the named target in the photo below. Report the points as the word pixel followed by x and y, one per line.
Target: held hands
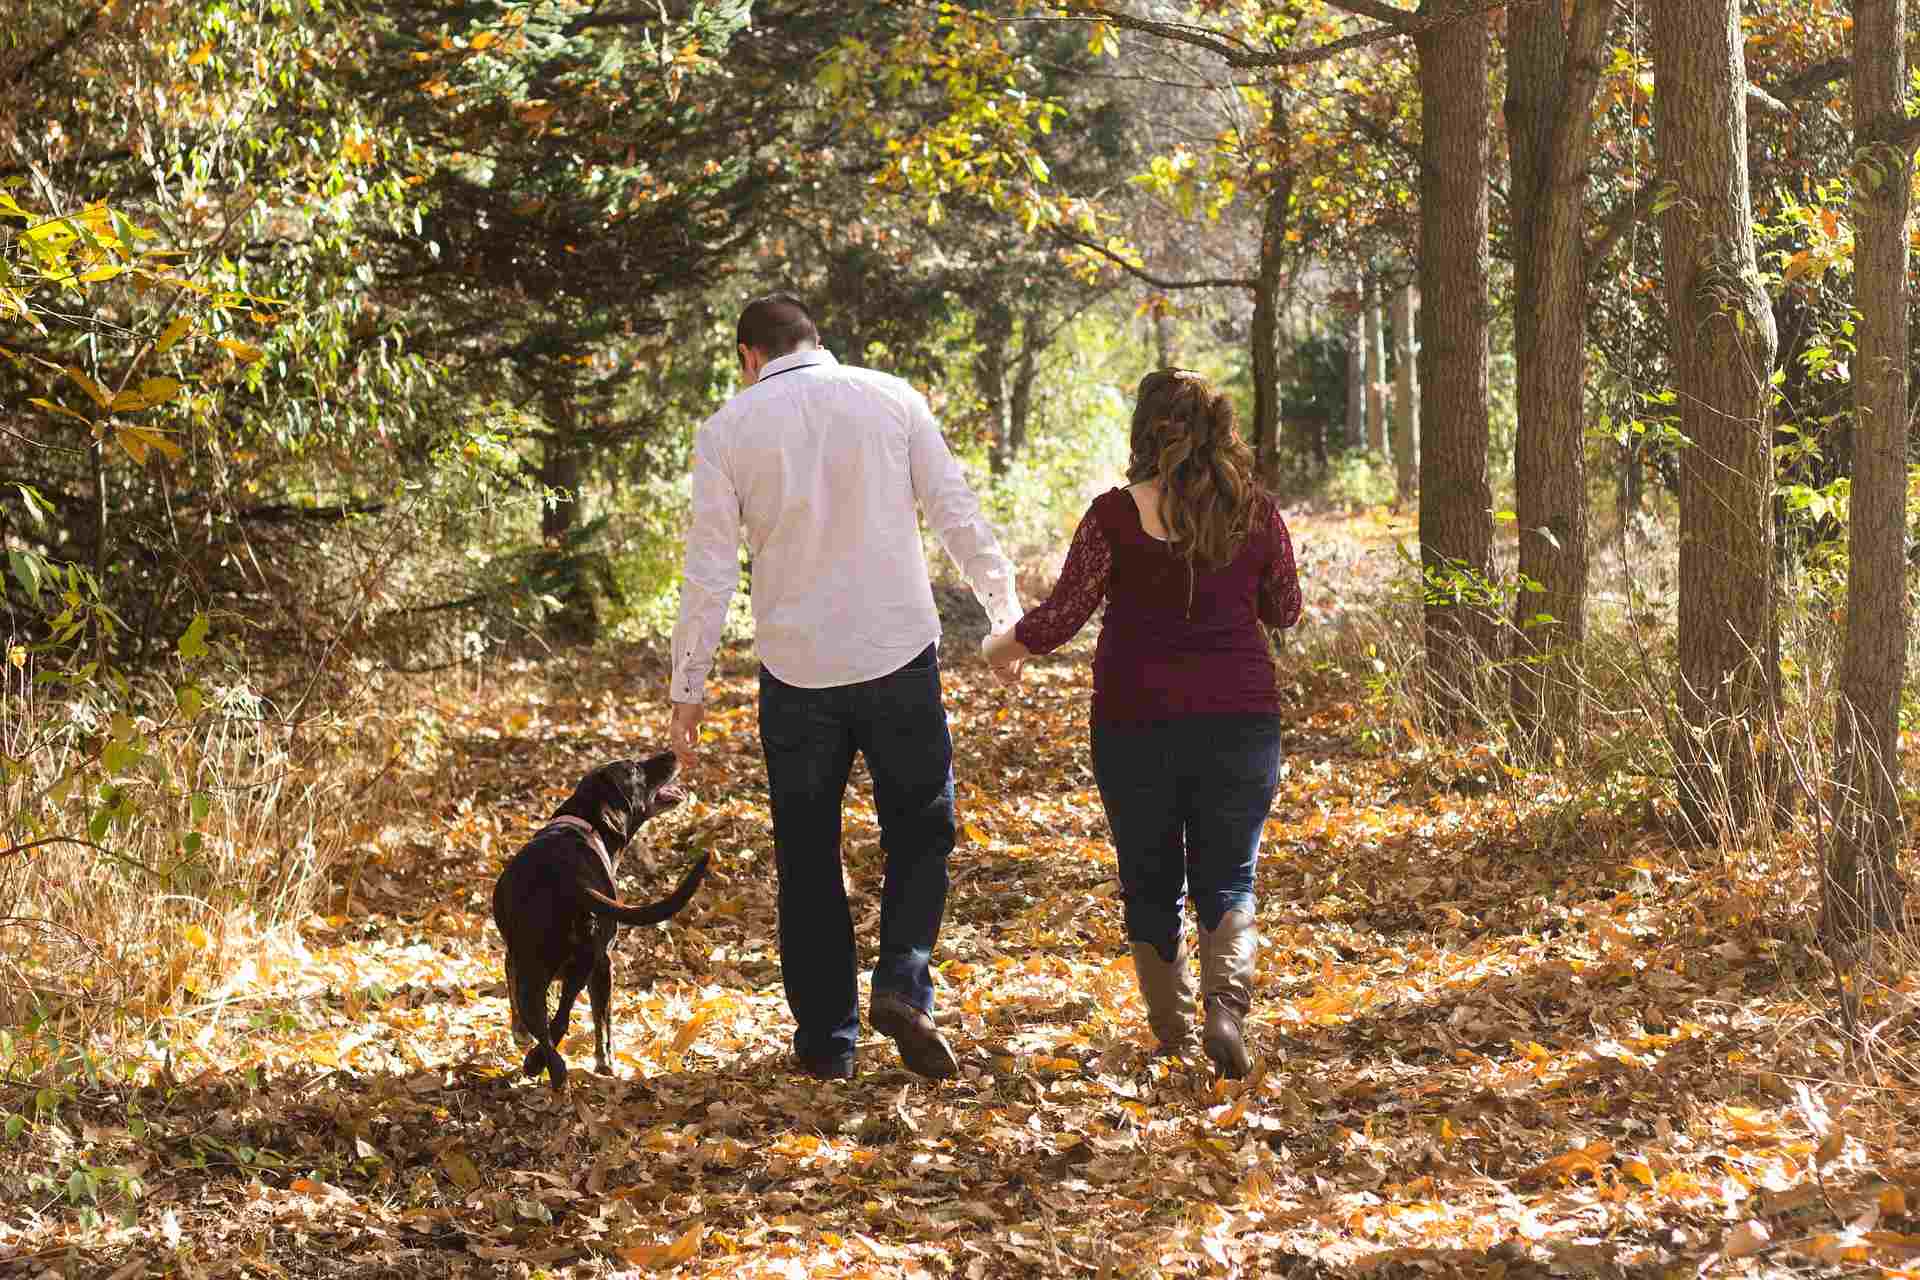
pixel 1006 656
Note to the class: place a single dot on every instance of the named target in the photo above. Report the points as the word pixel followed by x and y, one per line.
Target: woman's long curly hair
pixel 1184 437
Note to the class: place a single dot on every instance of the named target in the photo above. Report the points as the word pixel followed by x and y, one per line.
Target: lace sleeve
pixel 1280 584
pixel 1081 588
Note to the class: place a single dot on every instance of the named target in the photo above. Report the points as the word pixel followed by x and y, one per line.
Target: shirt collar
pixel 802 359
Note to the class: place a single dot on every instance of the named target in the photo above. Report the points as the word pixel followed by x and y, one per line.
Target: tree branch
pixel 1158 282
pixel 1405 19
pixel 1238 54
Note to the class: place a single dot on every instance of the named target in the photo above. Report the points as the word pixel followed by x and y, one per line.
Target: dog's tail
pixel 654 912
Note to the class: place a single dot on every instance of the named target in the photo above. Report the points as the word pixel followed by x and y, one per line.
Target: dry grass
pixel 123 935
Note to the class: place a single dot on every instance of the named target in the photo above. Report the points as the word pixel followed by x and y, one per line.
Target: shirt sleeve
pixel 1279 584
pixel 954 514
pixel 711 571
pixel 1081 588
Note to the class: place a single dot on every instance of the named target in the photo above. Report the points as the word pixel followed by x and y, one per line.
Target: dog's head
pixel 620 795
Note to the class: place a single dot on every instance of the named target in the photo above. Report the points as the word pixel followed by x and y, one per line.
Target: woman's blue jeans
pixel 1186 801
pixel 899 723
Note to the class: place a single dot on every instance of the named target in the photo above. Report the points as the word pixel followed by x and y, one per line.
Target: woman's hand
pixel 1006 656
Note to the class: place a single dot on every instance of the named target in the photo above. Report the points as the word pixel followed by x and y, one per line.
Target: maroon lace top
pixel 1173 642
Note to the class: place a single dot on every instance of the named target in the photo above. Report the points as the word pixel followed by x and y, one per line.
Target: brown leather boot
pixel 1167 988
pixel 1226 978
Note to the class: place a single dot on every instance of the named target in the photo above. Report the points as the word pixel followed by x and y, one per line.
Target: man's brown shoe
pixel 922 1047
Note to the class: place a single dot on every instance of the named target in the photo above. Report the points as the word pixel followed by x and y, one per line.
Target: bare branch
pixel 1158 282
pixel 1392 16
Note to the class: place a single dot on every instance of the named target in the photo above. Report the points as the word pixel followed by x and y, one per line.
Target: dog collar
pixel 593 840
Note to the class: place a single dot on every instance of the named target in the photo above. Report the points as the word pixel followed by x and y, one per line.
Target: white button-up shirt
pixel 822 465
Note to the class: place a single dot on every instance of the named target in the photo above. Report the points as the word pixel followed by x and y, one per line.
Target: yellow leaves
pixel 95 392
pixel 1569 1165
pixel 1749 1122
pixel 139 442
pixel 196 937
pixel 245 353
pixel 683 1248
pixel 690 1029
pixel 357 150
pixel 176 329
pixel 482 40
pixel 200 55
pixel 460 1168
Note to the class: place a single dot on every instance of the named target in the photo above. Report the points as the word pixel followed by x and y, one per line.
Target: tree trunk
pixel 1376 369
pixel 562 461
pixel 1721 328
pixel 1026 371
pixel 1357 368
pixel 993 332
pixel 1265 328
pixel 1456 529
pixel 1406 398
pixel 1163 345
pixel 1551 77
pixel 1860 884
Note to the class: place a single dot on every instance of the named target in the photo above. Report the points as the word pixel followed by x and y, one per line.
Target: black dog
pixel 556 907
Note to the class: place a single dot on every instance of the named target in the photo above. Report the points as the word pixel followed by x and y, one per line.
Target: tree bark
pixel 1406 398
pixel 1552 73
pixel 1456 530
pixel 1376 368
pixel 1357 367
pixel 993 332
pixel 562 462
pixel 1026 371
pixel 1266 326
pixel 1722 332
pixel 1860 885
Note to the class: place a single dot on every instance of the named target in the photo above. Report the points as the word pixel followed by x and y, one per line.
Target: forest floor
pixel 1503 1027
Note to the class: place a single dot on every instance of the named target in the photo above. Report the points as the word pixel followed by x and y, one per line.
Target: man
pixel 822 464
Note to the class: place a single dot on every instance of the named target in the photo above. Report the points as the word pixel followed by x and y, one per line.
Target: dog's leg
pixel 513 1002
pixel 600 990
pixel 571 981
pixel 530 998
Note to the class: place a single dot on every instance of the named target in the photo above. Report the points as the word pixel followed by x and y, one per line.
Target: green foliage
pixel 1358 478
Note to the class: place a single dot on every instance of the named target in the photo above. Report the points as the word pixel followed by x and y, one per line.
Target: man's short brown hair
pixel 776 324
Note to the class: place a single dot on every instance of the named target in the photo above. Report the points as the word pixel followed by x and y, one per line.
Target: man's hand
pixel 685 734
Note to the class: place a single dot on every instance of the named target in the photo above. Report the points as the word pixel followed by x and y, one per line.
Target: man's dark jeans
pixel 898 722
pixel 1186 800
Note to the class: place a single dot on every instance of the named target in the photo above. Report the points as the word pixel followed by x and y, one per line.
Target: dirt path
pixel 1500 1034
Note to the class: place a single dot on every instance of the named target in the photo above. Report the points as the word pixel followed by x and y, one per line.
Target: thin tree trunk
pixel 1406 398
pixel 562 462
pixel 1357 368
pixel 1163 345
pixel 1376 369
pixel 1026 371
pixel 1456 530
pixel 1722 331
pixel 1861 890
pixel 1265 327
pixel 993 332
pixel 1552 73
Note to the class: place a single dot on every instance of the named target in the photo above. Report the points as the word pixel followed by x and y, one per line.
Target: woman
pixel 1191 559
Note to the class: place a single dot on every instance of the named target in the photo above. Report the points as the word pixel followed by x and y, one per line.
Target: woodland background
pixel 350 356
